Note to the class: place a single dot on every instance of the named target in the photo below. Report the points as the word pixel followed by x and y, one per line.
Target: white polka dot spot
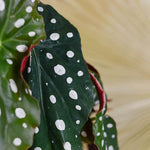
pixel 24 125
pixel 13 85
pixel 69 80
pixel 67 146
pixel 70 54
pixel 76 136
pixel 84 134
pixel 100 118
pixel 105 134
pixel 109 125
pixel 102 143
pixel 69 34
pixel 9 61
pixel 40 9
pixel 52 99
pixel 60 70
pixel 111 147
pixel 53 20
pixel 17 141
pixel 78 107
pixel 49 56
pixel 103 128
pixel 87 88
pixel 36 130
pixel 28 69
pixel 37 148
pixel 60 125
pixel 30 92
pixel 26 90
pixel 19 23
pixel 78 61
pixel 20 99
pixel 98 134
pixel 77 121
pixel 2 5
pixel 80 73
pixel 29 9
pixel 54 36
pixel 22 48
pixel 31 33
pixel 20 113
pixel 73 94
pixel 113 136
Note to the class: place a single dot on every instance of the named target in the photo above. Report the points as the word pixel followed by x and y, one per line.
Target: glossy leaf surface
pixel 100 130
pixel 105 133
pixel 20 26
pixel 59 79
pixel 87 131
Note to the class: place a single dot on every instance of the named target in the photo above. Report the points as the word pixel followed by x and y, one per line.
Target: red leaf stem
pixel 90 67
pixel 25 59
pixel 100 92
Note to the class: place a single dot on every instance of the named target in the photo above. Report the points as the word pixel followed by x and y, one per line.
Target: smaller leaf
pixel 100 99
pixel 105 133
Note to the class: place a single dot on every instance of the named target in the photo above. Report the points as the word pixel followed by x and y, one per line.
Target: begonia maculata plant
pixel 50 98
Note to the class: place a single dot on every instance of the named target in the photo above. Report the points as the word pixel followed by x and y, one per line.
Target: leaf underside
pixel 58 77
pixel 19 112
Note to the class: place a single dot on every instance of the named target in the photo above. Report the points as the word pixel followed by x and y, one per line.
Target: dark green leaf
pixel 105 133
pixel 59 79
pixel 19 112
pixel 87 131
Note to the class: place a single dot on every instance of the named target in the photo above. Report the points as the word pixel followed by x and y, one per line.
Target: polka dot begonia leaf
pixel 99 132
pixel 58 77
pixel 105 133
pixel 20 27
pixel 87 131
